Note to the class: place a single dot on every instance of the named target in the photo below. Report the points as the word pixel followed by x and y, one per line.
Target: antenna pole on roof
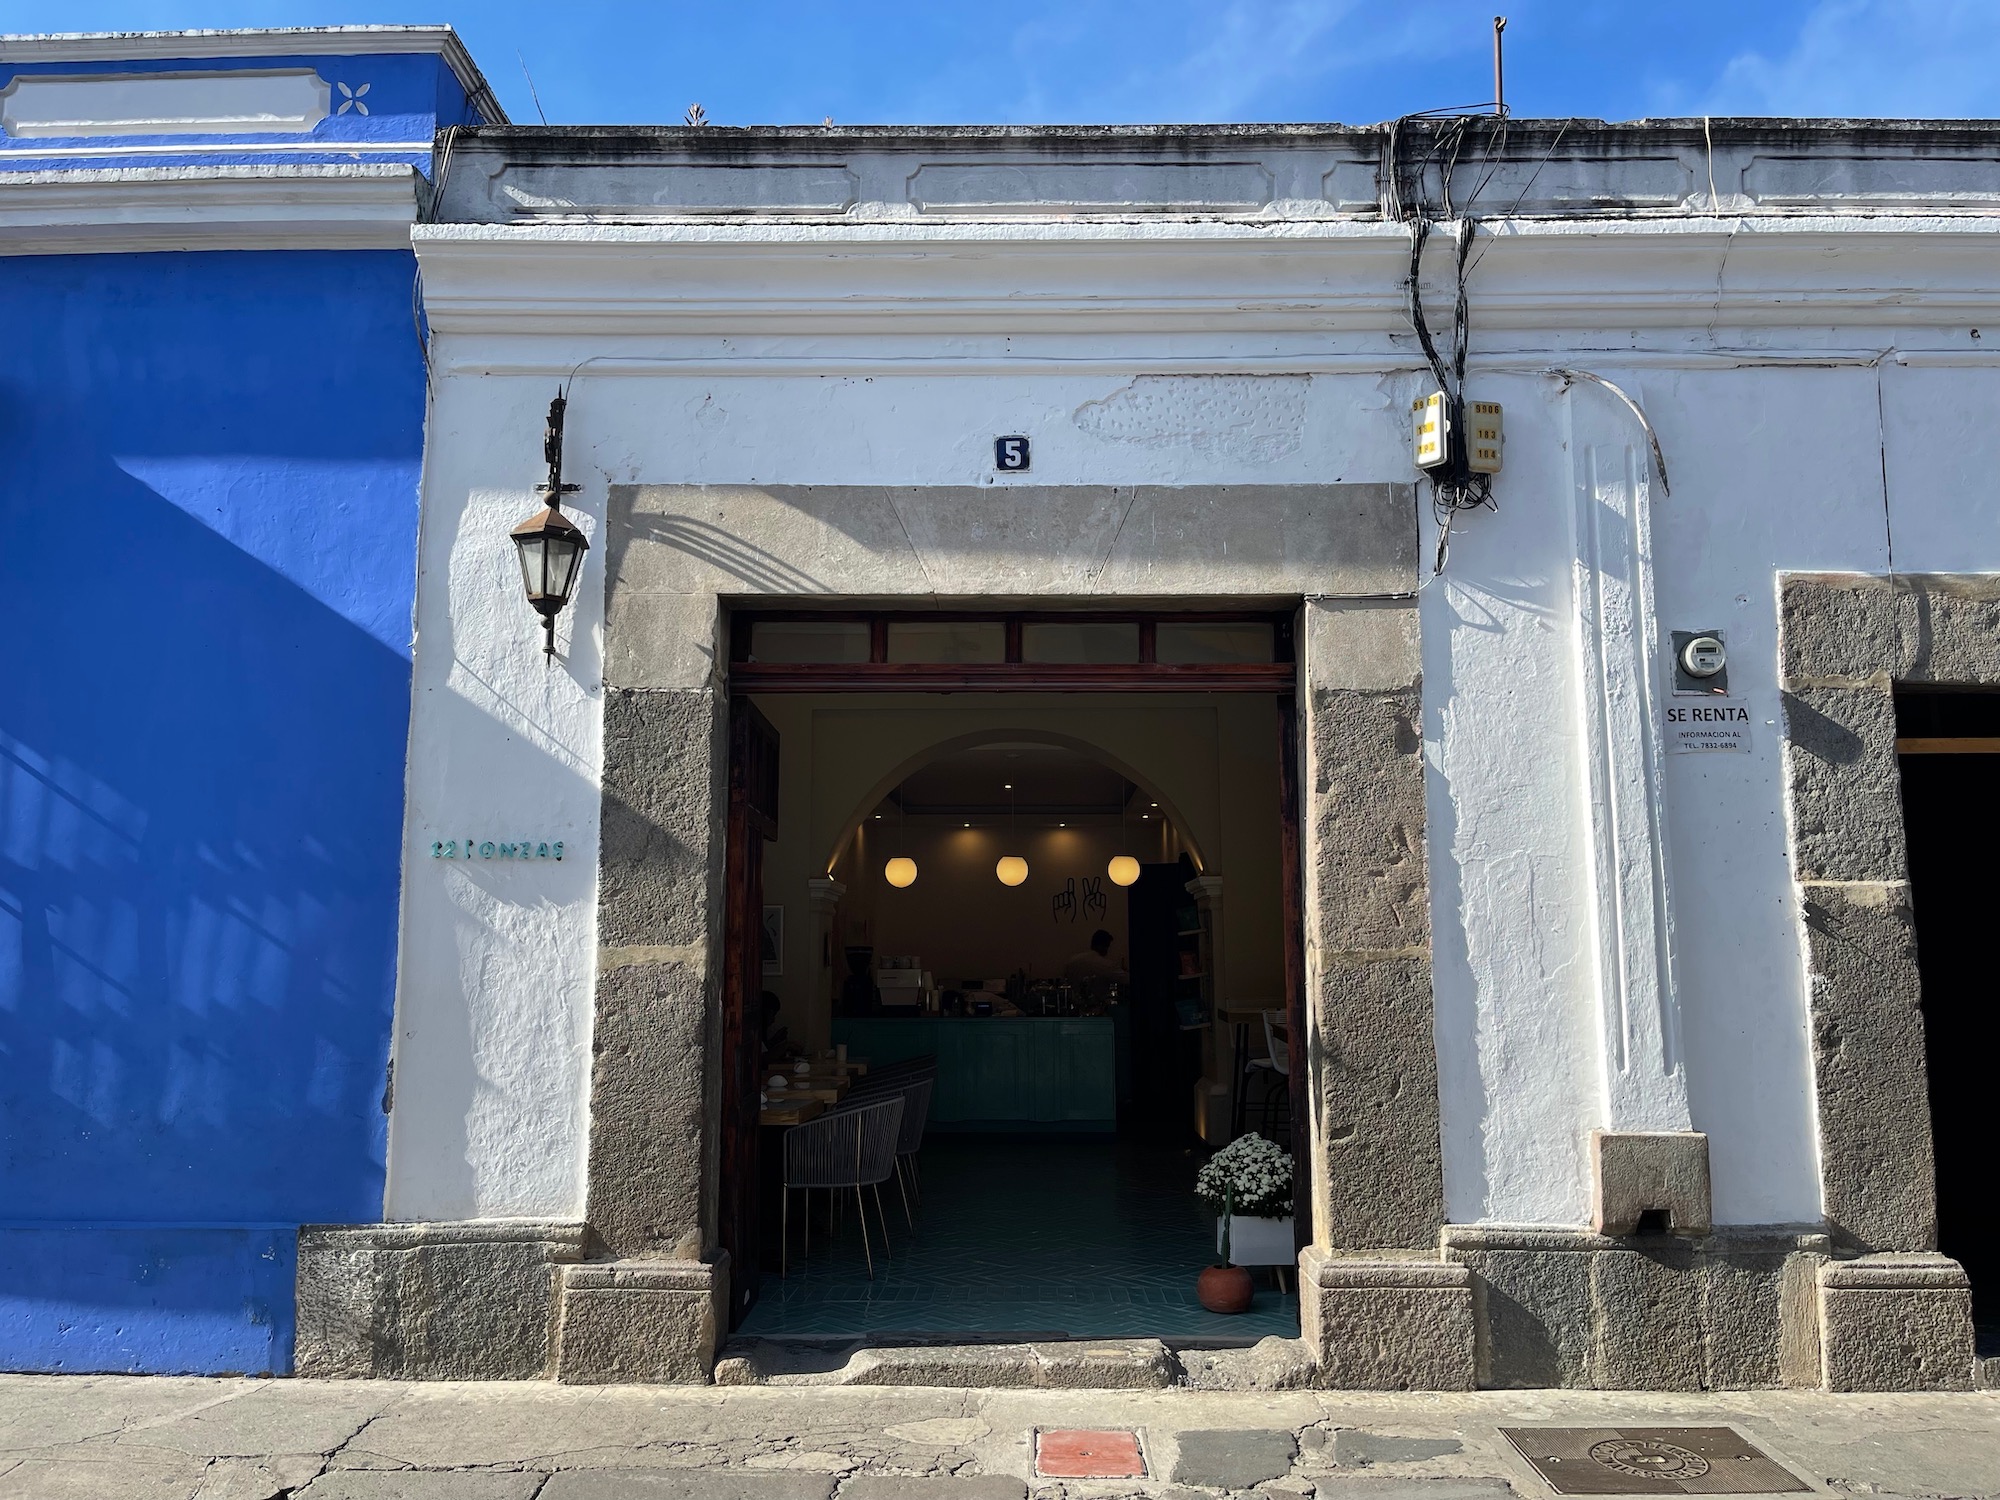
pixel 531 87
pixel 1499 72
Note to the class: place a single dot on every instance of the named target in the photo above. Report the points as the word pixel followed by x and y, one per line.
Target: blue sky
pixel 1060 61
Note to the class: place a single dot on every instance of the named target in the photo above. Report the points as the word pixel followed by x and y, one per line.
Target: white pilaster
pixel 1618 706
pixel 823 895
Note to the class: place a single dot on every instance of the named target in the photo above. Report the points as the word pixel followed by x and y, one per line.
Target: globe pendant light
pixel 1012 869
pixel 901 872
pixel 1123 869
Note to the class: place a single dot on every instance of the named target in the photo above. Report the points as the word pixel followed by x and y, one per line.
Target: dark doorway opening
pixel 1948 746
pixel 1019 1214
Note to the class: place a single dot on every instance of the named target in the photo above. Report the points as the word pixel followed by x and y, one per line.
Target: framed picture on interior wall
pixel 772 946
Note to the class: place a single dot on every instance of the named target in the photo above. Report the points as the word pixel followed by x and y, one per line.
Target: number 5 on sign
pixel 1010 454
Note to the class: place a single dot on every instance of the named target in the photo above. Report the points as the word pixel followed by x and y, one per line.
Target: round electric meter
pixel 1703 656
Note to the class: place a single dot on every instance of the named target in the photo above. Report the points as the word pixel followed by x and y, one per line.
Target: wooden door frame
pixel 1291 902
pixel 1014 674
pixel 752 819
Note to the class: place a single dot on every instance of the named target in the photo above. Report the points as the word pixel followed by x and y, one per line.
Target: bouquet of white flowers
pixel 1250 1176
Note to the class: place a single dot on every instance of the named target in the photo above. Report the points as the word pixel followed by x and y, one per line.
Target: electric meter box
pixel 1483 451
pixel 1431 429
pixel 1437 445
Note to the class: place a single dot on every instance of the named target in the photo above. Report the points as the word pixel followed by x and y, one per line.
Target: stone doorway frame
pixel 656 1311
pixel 1894 1314
pixel 635 1290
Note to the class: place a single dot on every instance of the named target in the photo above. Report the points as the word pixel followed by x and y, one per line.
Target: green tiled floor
pixel 1051 1238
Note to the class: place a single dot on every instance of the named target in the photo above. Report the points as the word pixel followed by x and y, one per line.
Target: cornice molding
pixel 337 207
pixel 1307 278
pixel 278 41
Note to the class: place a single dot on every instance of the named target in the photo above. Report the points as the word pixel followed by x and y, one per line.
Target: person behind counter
pixel 1094 962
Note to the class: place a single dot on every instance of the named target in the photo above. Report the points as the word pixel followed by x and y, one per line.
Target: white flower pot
pixel 1258 1242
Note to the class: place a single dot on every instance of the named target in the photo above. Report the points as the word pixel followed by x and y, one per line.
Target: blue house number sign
pixel 1010 454
pixel 496 849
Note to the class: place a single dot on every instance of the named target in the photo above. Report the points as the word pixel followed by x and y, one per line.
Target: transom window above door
pixel 1193 651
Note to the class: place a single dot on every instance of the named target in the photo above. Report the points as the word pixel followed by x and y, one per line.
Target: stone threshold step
pixel 1071 1364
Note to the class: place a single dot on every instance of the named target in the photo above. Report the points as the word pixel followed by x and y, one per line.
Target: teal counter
pixel 1031 1073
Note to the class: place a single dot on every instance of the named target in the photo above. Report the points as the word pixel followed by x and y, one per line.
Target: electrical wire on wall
pixel 1422 157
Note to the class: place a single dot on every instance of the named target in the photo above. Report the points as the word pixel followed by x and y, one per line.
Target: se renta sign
pixel 496 849
pixel 1697 727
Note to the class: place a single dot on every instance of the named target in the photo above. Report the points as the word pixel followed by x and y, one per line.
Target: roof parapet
pixel 276 41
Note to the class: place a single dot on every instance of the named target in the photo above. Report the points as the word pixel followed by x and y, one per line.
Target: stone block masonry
pixel 1730 1311
pixel 431 1301
pixel 1898 1316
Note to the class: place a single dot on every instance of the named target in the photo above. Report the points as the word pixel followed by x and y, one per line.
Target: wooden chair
pixel 1277 1064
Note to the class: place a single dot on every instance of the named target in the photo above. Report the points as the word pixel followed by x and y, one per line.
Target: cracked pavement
pixel 137 1438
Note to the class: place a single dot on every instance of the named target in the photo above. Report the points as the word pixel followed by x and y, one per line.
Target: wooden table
pixel 826 1090
pixel 820 1068
pixel 795 1112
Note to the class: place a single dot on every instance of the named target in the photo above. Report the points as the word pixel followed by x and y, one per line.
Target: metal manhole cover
pixel 1648 1458
pixel 1651 1461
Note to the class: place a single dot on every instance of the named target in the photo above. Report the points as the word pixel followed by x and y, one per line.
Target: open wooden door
pixel 753 818
pixel 1291 894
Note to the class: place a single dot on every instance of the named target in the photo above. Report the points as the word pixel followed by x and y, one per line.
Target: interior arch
pixel 957 744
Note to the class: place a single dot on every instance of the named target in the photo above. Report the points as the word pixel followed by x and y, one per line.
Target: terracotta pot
pixel 1225 1289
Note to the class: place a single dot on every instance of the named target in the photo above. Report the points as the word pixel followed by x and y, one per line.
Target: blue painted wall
pixel 208 475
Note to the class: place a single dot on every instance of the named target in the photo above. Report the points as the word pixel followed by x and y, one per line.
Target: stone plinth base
pixel 641 1321
pixel 1387 1322
pixel 1730 1311
pixel 1895 1323
pixel 463 1301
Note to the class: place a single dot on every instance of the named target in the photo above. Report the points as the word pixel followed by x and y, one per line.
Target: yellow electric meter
pixel 1483 452
pixel 1432 423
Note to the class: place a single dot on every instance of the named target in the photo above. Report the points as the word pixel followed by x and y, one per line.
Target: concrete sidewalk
pixel 128 1438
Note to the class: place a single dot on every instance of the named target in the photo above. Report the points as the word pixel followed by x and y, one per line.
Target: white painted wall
pixel 492 1041
pixel 1776 463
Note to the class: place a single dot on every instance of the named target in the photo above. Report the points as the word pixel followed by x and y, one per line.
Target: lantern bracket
pixel 552 450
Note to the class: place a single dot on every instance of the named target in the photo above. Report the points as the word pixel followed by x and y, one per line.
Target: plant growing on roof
pixel 1250 1176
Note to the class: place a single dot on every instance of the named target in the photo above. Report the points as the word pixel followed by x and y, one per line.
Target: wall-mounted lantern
pixel 551 545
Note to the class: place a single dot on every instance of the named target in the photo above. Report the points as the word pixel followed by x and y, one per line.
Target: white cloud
pixel 1897 58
